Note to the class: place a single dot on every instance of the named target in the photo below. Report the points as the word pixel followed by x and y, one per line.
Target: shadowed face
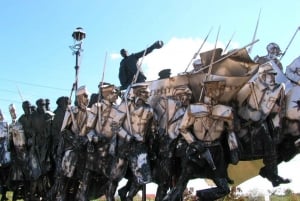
pixel 83 100
pixel 184 98
pixel 124 53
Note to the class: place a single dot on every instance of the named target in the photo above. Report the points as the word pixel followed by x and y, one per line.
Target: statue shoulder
pixel 198 110
pixel 222 111
pixel 50 114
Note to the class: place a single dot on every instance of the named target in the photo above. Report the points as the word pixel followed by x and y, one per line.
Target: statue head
pixel 63 102
pixel 214 89
pixel 41 105
pixel 141 91
pixel 109 92
pixel 26 105
pixel 124 53
pixel 82 96
pixel 267 74
pixel 183 94
pixel 273 50
pixel 197 64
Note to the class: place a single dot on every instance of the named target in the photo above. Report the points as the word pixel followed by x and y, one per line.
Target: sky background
pixel 36 61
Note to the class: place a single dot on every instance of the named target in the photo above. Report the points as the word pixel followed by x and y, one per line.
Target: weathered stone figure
pixel 5 157
pixel 41 127
pixel 102 145
pixel 19 175
pixel 205 126
pixel 274 52
pixel 59 113
pixel 57 145
pixel 140 127
pixel 202 127
pixel 261 108
pixel 170 111
pixel 33 165
pixel 74 131
pixel 129 65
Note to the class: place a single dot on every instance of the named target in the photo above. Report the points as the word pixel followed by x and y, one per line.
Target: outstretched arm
pixel 157 45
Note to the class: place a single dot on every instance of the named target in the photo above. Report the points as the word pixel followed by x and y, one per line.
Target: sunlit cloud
pixel 115 56
pixel 176 54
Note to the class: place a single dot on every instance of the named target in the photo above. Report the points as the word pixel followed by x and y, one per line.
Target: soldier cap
pixel 182 89
pixel 165 73
pixel 82 90
pixel 266 68
pixel 197 62
pixel 140 87
pixel 107 89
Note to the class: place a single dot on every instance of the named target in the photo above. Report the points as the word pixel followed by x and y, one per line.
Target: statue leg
pixel 62 186
pixel 118 171
pixel 165 179
pixel 124 190
pixel 111 189
pixel 175 194
pixel 4 189
pixel 161 191
pixel 211 194
pixel 81 194
pixel 134 189
pixel 270 170
pixel 72 189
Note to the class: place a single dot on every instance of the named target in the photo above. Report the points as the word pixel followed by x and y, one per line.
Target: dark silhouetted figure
pixel 165 73
pixel 129 65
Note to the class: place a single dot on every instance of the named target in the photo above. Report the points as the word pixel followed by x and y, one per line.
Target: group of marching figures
pixel 82 152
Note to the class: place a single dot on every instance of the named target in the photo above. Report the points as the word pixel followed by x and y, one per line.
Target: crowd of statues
pixel 82 152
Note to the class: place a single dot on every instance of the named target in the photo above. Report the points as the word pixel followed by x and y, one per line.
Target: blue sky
pixel 36 61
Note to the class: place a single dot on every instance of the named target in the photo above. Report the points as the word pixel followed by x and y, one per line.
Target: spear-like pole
pixel 255 31
pixel 228 55
pixel 229 42
pixel 102 78
pixel 298 28
pixel 211 63
pixel 198 52
pixel 20 94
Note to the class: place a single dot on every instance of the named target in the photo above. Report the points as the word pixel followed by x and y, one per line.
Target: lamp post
pixel 78 36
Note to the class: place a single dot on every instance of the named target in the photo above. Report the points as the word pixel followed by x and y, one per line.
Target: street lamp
pixel 78 36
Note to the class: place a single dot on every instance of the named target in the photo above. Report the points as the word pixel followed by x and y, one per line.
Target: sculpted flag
pixel 236 67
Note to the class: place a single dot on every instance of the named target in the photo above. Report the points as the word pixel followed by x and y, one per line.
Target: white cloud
pixel 176 55
pixel 115 56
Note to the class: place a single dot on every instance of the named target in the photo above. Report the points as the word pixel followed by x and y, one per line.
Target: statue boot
pixel 4 189
pixel 173 195
pixel 123 192
pixel 215 193
pixel 272 176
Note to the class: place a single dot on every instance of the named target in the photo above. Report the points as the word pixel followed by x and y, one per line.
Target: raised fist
pixel 158 44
